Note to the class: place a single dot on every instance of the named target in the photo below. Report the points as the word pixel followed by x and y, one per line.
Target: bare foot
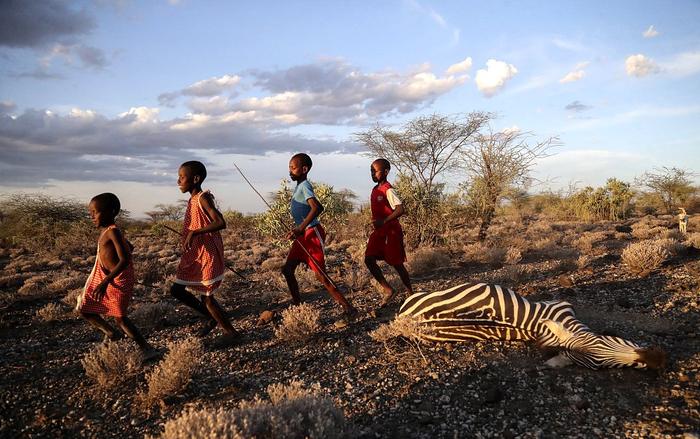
pixel 387 296
pixel 206 328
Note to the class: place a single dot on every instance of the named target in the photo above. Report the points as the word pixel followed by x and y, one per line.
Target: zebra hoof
pixel 558 361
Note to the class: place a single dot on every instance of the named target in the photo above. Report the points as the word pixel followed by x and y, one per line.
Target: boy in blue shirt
pixel 309 234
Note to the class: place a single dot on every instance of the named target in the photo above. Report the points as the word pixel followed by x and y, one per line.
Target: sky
pixel 112 95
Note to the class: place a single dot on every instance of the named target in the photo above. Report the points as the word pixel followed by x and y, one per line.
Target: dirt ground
pixel 493 389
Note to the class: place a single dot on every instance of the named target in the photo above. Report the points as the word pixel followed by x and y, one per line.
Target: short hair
pixel 385 163
pixel 304 159
pixel 197 168
pixel 107 202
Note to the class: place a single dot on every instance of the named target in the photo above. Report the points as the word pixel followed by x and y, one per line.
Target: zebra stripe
pixel 491 312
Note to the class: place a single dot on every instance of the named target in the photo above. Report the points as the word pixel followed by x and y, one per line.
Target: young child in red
pixel 109 287
pixel 386 241
pixel 202 263
pixel 308 236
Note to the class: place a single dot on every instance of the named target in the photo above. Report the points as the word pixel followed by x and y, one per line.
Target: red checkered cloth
pixel 119 291
pixel 202 265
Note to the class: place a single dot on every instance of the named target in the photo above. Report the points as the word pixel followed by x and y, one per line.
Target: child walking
pixel 201 266
pixel 386 241
pixel 110 285
pixel 308 236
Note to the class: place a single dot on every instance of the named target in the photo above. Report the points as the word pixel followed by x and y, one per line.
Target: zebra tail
pixel 654 357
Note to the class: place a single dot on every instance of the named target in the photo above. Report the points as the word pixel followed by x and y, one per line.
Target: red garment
pixel 202 265
pixel 386 242
pixel 119 291
pixel 312 240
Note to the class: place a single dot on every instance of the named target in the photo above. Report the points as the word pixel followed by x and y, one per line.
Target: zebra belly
pixel 469 330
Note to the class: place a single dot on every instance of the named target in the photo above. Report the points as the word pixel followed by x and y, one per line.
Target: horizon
pixel 112 96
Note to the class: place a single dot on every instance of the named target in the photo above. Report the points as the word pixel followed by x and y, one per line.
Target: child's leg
pixel 129 329
pixel 288 272
pixel 335 294
pixel 180 293
pixel 98 322
pixel 218 314
pixel 371 263
pixel 405 278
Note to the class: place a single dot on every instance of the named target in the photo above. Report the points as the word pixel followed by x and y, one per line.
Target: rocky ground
pixel 446 390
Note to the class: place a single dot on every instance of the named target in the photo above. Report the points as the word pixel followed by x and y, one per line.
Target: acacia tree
pixel 426 146
pixel 424 149
pixel 495 163
pixel 673 185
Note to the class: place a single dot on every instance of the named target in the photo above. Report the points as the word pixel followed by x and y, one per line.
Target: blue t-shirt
pixel 300 205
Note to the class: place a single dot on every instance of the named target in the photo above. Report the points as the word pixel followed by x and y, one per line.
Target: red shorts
pixel 386 243
pixel 313 243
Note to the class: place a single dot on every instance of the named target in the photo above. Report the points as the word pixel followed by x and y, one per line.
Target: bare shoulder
pixel 206 199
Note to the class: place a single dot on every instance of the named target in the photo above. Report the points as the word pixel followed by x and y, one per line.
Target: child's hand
pixel 188 240
pixel 295 233
pixel 378 223
pixel 100 290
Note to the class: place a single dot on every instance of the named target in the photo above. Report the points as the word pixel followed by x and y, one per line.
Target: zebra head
pixel 594 351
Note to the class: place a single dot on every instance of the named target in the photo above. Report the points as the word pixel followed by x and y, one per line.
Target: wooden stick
pixel 286 226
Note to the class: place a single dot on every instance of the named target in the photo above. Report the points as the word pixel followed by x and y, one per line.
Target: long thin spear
pixel 286 226
pixel 225 264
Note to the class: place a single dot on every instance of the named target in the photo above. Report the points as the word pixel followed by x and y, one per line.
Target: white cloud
pixel 491 80
pixel 650 32
pixel 683 64
pixel 212 86
pixel 640 66
pixel 460 67
pixel 573 76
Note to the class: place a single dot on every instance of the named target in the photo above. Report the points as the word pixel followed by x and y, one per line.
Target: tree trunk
pixel 485 223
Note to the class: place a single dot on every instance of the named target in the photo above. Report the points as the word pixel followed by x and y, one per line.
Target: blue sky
pixel 113 95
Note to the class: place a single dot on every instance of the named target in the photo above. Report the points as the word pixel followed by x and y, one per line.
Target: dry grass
pixel 511 276
pixel 402 339
pixel 513 256
pixel 66 283
pixel 425 260
pixel 150 270
pixel 406 327
pixel 475 252
pixel 693 239
pixel 292 411
pixel 272 264
pixel 71 299
pixel 357 279
pixel 299 323
pixel 172 374
pixel 34 286
pixel 644 257
pixel 672 246
pixel 584 261
pixel 50 312
pixel 111 363
pixel 149 315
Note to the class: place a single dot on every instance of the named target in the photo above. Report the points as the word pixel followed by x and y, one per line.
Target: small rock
pixel 265 318
pixel 566 281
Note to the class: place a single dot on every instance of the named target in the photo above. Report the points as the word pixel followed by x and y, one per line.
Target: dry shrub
pixel 357 279
pixel 66 284
pixel 111 363
pixel 693 239
pixel 584 261
pixel 565 265
pixel 672 234
pixel 151 270
pixel 424 260
pixel 586 242
pixel 644 231
pixel 621 236
pixel 540 227
pixel 672 246
pixel 292 411
pixel 495 255
pixel 402 339
pixel 272 264
pixel 299 323
pixel 149 315
pixel 544 245
pixel 475 252
pixel 34 286
pixel 511 276
pixel 172 374
pixel 71 299
pixel 513 256
pixel 407 327
pixel 12 280
pixel 50 312
pixel 644 256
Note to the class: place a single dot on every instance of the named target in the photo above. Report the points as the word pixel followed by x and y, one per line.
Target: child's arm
pixel 217 219
pixel 316 209
pixel 115 237
pixel 398 211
